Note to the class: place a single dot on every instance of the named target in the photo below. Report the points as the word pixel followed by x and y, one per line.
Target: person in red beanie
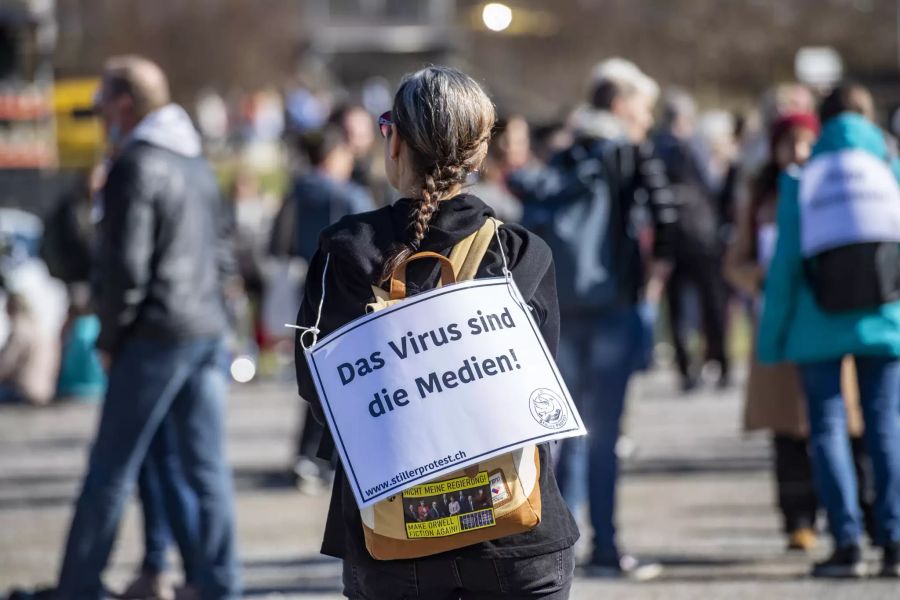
pixel 774 396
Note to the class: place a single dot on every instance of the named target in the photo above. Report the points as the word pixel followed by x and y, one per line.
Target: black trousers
pixel 796 491
pixel 797 499
pixel 702 272
pixel 548 576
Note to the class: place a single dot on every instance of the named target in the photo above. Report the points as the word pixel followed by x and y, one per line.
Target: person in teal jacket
pixel 795 328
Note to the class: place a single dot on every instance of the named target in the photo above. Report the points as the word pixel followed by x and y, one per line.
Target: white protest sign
pixel 847 197
pixel 435 383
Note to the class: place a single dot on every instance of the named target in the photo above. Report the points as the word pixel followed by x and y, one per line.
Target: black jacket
pixel 642 185
pixel 164 249
pixel 697 231
pixel 320 202
pixel 357 246
pixel 314 202
pixel 640 200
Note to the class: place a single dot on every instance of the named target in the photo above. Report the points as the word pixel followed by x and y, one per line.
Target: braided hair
pixel 445 119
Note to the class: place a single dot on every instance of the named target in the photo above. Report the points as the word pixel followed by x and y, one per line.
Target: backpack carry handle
pixel 398 279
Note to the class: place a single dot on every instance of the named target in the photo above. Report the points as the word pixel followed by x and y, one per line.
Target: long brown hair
pixel 445 119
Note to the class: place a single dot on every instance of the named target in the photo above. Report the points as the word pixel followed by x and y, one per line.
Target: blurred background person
pixel 69 247
pixel 320 198
pixel 508 152
pixel 161 204
pixel 32 311
pixel 729 195
pixel 325 193
pixel 835 274
pixel 696 261
pixel 774 396
pixel 253 213
pixel 359 134
pixel 69 239
pixel 549 139
pixel 514 142
pixel 594 206
pixel 29 357
pixel 777 101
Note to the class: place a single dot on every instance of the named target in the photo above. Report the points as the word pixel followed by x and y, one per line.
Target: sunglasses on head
pixel 384 123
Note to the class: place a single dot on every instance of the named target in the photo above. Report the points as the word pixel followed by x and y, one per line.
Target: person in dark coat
pixel 435 135
pixel 163 265
pixel 610 278
pixel 697 251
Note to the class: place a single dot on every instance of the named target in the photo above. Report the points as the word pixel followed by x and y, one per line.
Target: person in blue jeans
pixel 802 324
pixel 163 265
pixel 607 294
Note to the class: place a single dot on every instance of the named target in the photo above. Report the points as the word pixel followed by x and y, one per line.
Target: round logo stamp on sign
pixel 548 409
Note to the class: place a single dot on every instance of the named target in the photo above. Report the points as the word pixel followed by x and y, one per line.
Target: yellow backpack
pixel 489 500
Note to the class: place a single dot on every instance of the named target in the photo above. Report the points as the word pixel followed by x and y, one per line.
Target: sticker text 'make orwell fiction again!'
pixel 434 382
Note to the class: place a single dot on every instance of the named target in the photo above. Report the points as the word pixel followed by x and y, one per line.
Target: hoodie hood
pixel 169 128
pixel 597 124
pixel 850 131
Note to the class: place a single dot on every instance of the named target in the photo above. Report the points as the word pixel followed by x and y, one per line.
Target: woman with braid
pixel 436 134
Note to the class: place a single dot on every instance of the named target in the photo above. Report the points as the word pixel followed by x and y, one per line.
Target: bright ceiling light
pixel 496 16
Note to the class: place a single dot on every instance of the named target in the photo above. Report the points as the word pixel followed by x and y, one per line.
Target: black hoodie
pixel 358 246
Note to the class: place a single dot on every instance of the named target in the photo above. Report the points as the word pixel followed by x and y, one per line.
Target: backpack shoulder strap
pixel 460 251
pixel 467 255
pixel 465 258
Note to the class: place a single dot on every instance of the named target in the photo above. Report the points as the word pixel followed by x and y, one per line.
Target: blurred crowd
pixel 322 151
pixel 691 254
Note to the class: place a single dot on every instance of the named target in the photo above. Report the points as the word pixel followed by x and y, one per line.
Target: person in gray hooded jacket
pixel 161 274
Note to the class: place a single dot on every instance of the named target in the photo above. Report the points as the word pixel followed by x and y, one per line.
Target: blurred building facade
pixel 724 50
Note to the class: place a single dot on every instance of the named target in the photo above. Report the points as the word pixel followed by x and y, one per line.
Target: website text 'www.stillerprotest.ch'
pixel 408 474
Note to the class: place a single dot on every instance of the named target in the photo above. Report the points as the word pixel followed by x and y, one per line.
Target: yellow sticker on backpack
pixel 450 507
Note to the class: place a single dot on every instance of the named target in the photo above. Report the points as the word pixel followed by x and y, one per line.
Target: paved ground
pixel 696 495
